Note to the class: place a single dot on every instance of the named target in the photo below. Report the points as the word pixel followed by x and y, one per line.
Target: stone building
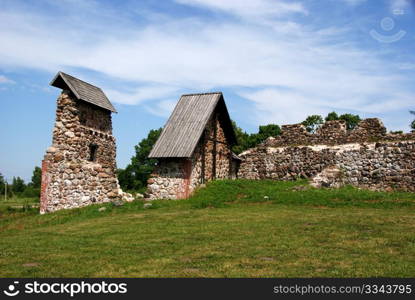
pixel 79 168
pixel 194 147
pixel 366 156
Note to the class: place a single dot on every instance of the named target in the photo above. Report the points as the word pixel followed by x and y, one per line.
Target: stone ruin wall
pixel 69 178
pixel 223 151
pixel 366 156
pixel 177 178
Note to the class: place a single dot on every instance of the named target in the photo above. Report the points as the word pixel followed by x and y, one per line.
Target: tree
pixel 32 189
pixel 136 174
pixel 2 184
pixel 333 116
pixel 413 122
pixel 18 185
pixel 36 177
pixel 312 123
pixel 246 141
pixel 127 180
pixel 266 131
pixel 351 120
pixel 242 138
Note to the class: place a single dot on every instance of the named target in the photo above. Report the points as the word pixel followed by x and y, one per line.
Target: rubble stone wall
pixel 335 133
pixel 70 176
pixel 177 178
pixel 366 156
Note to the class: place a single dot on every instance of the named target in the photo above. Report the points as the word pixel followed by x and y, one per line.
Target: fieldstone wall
pixel 72 175
pixel 366 156
pixel 335 133
pixel 177 178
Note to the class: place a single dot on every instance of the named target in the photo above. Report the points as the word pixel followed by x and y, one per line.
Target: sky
pixel 276 61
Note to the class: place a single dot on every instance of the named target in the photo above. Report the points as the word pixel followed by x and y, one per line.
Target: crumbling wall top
pixel 335 133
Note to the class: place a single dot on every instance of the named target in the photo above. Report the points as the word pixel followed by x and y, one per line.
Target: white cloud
pixel 354 2
pixel 399 4
pixel 406 66
pixel 140 94
pixel 163 108
pixel 252 8
pixel 4 79
pixel 292 69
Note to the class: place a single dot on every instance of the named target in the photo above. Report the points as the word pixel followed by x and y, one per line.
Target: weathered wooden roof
pixel 186 124
pixel 82 90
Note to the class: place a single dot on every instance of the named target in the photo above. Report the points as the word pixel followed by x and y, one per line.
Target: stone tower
pixel 79 168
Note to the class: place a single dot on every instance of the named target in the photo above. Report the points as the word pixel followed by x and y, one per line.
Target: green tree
pixel 242 138
pixel 351 120
pixel 2 184
pixel 18 185
pixel 266 131
pixel 333 116
pixel 136 174
pixel 32 189
pixel 413 122
pixel 36 177
pixel 127 180
pixel 246 141
pixel 313 122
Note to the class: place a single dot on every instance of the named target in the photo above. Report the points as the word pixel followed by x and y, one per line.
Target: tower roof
pixel 82 90
pixel 186 124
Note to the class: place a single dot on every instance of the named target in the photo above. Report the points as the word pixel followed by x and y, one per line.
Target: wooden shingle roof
pixel 186 124
pixel 82 90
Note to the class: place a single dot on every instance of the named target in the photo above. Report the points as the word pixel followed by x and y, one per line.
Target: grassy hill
pixel 228 229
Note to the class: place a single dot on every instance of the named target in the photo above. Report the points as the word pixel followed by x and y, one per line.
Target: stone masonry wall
pixel 178 178
pixel 69 177
pixel 366 156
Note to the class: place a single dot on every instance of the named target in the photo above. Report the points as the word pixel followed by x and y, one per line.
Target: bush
pixel 30 192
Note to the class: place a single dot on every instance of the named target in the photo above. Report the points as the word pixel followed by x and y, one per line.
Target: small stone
pixel 102 209
pixel 148 205
pixel 117 203
pixel 58 157
pixel 51 149
pixel 32 264
pixel 112 195
pixel 127 197
pixel 85 198
pixel 70 134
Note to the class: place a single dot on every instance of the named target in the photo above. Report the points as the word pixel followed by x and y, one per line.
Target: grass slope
pixel 228 229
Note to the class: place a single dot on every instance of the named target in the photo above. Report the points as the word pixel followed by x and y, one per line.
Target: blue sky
pixel 276 62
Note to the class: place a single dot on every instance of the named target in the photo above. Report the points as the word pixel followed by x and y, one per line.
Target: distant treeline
pixel 18 188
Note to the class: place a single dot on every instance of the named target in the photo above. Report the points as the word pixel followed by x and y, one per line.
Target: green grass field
pixel 228 229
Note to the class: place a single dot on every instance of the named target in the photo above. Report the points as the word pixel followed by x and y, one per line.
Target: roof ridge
pixel 83 90
pixel 66 74
pixel 207 93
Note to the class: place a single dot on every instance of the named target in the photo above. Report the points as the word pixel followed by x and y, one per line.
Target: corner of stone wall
pixel 368 129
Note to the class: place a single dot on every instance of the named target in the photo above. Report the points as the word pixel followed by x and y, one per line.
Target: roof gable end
pixel 187 122
pixel 82 90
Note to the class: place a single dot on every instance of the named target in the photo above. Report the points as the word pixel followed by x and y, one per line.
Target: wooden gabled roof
pixel 82 90
pixel 186 124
